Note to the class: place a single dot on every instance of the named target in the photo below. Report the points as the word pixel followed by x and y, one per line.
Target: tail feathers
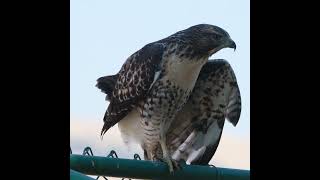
pixel 106 84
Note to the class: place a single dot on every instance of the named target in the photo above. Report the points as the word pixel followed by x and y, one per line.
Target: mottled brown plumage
pixel 195 133
pixel 156 81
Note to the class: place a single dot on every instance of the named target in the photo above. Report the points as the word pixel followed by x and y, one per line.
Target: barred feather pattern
pixel 155 82
pixel 195 133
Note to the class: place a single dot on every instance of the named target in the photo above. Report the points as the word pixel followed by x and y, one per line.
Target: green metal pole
pixel 115 167
pixel 74 175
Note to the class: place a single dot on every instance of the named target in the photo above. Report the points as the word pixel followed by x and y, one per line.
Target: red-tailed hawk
pixel 154 84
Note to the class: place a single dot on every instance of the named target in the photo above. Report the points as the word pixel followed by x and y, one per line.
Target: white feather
pixel 196 143
pixel 130 128
pixel 156 77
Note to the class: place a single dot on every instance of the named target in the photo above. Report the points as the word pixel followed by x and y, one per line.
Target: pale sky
pixel 104 33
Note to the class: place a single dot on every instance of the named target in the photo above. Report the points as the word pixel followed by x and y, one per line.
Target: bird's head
pixel 209 38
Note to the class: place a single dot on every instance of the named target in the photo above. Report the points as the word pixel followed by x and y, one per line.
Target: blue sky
pixel 104 33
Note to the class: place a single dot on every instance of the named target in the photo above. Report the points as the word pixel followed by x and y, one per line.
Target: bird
pixel 154 84
pixel 194 135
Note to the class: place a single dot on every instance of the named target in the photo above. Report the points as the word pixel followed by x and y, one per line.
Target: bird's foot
pixel 172 163
pixel 176 164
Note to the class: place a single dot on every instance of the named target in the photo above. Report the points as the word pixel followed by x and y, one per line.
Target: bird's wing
pixel 132 84
pixel 196 132
pixel 106 84
pixel 218 79
pixel 234 102
pixel 211 148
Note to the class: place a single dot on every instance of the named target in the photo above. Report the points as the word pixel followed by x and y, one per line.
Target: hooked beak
pixel 232 44
pixel 229 43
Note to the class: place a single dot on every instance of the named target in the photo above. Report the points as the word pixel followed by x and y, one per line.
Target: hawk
pixel 195 133
pixel 155 82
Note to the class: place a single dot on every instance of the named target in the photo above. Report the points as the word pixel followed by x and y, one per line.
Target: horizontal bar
pixel 74 175
pixel 116 167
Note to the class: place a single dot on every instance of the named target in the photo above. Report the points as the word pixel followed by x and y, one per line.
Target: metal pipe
pixel 140 169
pixel 74 175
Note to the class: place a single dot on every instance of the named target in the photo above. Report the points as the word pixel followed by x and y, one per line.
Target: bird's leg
pixel 166 156
pixel 156 154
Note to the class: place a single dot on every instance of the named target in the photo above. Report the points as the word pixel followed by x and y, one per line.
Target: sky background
pixel 104 33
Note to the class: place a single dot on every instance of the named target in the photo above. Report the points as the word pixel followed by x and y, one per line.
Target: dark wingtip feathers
pixel 104 129
pixel 234 117
pixel 106 84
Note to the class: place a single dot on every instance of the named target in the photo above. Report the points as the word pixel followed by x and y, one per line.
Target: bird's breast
pixel 183 72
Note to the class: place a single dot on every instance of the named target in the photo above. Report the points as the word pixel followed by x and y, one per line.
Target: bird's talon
pixel 173 164
pixel 176 164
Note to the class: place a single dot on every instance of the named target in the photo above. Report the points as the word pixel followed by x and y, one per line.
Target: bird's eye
pixel 216 36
